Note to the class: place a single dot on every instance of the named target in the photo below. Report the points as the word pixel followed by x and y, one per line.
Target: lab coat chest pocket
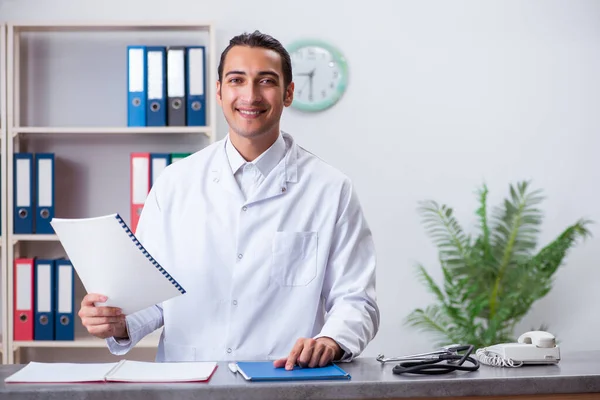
pixel 294 258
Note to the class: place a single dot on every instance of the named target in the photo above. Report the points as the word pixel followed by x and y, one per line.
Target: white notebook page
pixel 61 372
pixel 139 371
pixel 110 263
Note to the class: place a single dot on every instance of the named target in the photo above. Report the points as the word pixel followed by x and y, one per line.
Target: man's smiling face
pixel 252 93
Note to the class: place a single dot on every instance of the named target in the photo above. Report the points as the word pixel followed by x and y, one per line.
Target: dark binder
pixel 176 114
pixel 156 86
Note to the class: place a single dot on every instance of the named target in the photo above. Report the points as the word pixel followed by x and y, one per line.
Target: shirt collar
pixel 265 162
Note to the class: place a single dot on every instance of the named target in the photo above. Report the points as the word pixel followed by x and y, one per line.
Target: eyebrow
pixel 261 73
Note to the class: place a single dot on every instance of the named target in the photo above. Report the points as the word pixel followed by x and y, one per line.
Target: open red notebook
pixel 122 371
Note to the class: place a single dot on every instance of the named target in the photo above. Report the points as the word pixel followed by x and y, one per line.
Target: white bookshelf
pixel 34 238
pixel 19 130
pixel 29 130
pixel 81 342
pixel 85 342
pixel 3 243
pixel 150 341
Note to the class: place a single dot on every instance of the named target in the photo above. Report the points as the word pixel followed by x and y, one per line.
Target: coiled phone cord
pixel 454 362
pixel 495 360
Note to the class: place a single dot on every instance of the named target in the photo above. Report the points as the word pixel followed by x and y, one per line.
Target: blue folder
pixel 137 82
pixel 23 199
pixel 265 371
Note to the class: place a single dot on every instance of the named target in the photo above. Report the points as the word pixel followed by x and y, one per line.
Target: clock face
pixel 320 75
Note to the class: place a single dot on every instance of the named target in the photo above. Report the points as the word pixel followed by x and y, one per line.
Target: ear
pixel 289 95
pixel 219 99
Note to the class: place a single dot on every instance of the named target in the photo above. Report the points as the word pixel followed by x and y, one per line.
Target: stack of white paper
pixel 110 261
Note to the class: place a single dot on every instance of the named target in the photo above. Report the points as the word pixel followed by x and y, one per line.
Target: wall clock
pixel 320 74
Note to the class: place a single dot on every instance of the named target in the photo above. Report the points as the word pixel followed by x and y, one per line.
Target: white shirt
pixel 296 259
pixel 249 175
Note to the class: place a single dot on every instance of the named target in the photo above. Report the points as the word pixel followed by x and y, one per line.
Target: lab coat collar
pixel 264 162
pixel 275 183
pixel 233 156
pixel 291 158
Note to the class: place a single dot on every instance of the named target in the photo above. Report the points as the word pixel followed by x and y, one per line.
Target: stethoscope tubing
pixel 427 363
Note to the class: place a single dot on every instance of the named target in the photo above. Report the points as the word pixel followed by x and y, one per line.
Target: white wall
pixel 443 96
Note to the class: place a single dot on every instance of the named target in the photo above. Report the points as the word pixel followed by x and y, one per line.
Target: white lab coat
pixel 295 260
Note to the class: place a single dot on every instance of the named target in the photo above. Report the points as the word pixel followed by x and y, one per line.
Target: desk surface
pixel 576 373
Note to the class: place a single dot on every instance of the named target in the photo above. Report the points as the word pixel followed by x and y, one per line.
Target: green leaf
pixel 515 231
pixel 446 232
pixel 531 279
pixel 431 320
pixel 430 284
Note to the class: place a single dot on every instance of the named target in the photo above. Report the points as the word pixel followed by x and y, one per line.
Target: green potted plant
pixel 491 279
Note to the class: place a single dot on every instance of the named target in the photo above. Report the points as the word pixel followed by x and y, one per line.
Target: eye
pixel 268 81
pixel 235 80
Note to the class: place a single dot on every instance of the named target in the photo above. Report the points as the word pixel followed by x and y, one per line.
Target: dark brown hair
pixel 258 39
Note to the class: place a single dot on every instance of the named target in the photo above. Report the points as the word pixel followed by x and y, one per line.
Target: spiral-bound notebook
pixel 110 260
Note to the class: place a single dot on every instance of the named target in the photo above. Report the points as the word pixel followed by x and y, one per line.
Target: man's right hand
pixel 102 322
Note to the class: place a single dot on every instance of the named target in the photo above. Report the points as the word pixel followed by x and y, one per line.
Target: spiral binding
pixel 148 256
pixel 485 357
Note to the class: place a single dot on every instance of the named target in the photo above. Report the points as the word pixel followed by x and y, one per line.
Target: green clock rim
pixel 340 89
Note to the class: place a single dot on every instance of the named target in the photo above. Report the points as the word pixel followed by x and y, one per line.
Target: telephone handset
pixel 535 347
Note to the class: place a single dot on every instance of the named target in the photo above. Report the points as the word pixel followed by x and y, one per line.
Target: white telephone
pixel 535 347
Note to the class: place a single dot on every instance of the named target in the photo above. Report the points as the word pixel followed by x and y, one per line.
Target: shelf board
pixel 110 26
pixel 34 238
pixel 150 341
pixel 54 130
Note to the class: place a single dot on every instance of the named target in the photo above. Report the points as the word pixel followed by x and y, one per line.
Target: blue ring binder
pixel 145 252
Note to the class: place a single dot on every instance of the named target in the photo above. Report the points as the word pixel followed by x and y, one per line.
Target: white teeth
pixel 250 112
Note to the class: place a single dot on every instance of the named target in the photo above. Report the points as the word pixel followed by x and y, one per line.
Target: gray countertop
pixel 576 373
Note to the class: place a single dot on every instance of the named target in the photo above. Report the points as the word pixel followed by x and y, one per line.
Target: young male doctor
pixel 268 240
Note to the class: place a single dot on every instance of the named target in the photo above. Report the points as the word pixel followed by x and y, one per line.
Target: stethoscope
pixel 428 363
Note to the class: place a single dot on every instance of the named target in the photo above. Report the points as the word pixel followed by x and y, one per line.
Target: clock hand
pixel 302 88
pixel 310 77
pixel 311 73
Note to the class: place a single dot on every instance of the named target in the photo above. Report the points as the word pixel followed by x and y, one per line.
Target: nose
pixel 251 93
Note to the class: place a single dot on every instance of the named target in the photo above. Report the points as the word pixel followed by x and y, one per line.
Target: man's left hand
pixel 308 352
